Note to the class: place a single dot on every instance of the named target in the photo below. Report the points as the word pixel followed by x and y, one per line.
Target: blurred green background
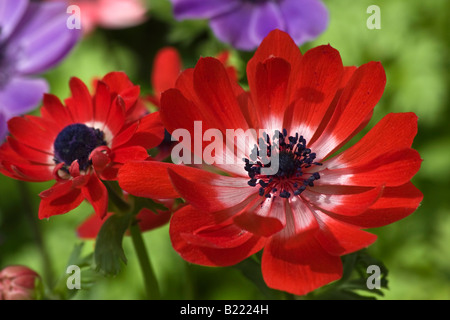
pixel 413 45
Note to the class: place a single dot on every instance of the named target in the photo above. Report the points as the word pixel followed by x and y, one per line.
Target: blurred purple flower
pixel 244 23
pixel 33 38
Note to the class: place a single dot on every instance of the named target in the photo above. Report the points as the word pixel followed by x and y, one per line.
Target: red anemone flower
pixel 81 143
pixel 313 208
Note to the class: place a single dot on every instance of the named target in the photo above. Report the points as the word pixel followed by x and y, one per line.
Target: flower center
pixel 293 158
pixel 76 142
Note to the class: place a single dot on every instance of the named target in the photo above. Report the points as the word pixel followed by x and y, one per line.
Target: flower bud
pixel 17 283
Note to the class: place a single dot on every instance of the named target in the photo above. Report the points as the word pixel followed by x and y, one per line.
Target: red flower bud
pixel 17 283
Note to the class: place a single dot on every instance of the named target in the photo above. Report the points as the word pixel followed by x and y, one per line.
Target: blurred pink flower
pixel 110 14
pixel 17 283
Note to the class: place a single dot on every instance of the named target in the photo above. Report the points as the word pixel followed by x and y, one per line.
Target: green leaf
pixel 109 254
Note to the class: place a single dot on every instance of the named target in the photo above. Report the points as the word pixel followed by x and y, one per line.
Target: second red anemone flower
pixel 313 209
pixel 80 144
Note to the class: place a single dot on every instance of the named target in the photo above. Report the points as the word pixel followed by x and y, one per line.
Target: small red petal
pixel 97 195
pixel 301 269
pixel 188 220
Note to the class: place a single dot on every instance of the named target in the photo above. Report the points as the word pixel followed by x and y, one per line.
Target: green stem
pixel 151 284
pixel 37 234
pixel 115 198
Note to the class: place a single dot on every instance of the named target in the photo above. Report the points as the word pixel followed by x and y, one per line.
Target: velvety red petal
pixel 117 81
pixel 80 104
pixel 53 109
pixel 148 220
pixel 116 117
pixel 395 203
pixel 391 169
pixel 29 172
pixel 264 218
pixel 59 199
pixel 339 238
pixel 28 132
pixel 209 191
pixel 188 220
pixel 356 102
pixel 31 154
pixel 276 44
pixel 394 132
pixel 316 85
pixel 125 154
pixel 130 97
pixel 300 269
pixel 268 91
pixel 166 69
pixel 150 179
pixel 342 200
pixel 97 195
pixel 150 132
pixel 214 90
pixel 102 102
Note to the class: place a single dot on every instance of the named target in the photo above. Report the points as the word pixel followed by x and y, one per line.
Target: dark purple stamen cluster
pixel 76 142
pixel 293 157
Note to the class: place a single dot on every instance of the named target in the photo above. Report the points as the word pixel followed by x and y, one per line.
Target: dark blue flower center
pixel 76 142
pixel 293 158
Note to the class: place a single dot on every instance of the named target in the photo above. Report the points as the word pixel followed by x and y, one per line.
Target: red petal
pixel 148 220
pixel 59 199
pixel 149 133
pixel 301 269
pixel 215 92
pixel 356 102
pixel 268 90
pixel 276 44
pixel 102 102
pixel 31 154
pixel 268 218
pixel 209 191
pixel 80 104
pixel 342 200
pixel 339 238
pixel 123 155
pixel 394 132
pixel 53 109
pixel 166 69
pixel 117 81
pixel 150 179
pixel 116 116
pixel 97 195
pixel 28 132
pixel 188 220
pixel 391 169
pixel 395 203
pixel 319 78
pixel 130 97
pixel 100 157
pixel 259 225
